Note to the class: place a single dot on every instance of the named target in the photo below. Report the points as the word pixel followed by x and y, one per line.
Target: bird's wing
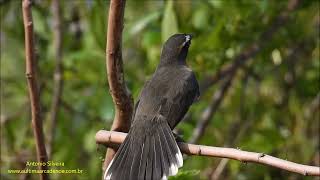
pixel 177 101
pixel 138 102
pixel 168 94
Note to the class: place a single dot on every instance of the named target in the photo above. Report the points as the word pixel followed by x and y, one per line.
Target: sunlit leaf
pixel 169 21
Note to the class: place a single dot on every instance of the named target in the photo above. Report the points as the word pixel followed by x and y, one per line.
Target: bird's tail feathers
pixel 152 155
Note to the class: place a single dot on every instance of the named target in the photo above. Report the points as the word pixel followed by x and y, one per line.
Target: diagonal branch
pixel 33 87
pixel 229 71
pixel 291 60
pixel 209 112
pixel 58 79
pixel 252 50
pixel 120 94
pixel 111 137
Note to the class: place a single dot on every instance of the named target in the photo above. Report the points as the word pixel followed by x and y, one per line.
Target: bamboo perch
pixel 110 138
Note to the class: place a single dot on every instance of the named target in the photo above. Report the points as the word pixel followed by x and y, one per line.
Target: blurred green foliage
pixel 269 108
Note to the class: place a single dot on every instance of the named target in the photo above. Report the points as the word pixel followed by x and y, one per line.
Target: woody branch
pixel 121 96
pixel 112 138
pixel 33 88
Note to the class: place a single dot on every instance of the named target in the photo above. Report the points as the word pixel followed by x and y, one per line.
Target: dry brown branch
pixel 229 71
pixel 57 78
pixel 33 87
pixel 120 94
pixel 112 137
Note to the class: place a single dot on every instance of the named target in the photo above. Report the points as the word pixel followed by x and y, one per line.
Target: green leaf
pixel 185 174
pixel 200 18
pixel 169 22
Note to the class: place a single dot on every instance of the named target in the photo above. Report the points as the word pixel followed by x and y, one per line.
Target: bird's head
pixel 175 49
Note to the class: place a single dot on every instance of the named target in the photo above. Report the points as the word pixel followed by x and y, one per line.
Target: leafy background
pixel 271 107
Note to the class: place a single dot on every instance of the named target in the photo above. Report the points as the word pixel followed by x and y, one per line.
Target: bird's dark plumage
pixel 150 150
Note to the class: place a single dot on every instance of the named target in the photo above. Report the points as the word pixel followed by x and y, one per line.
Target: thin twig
pixel 58 79
pixel 33 87
pixel 120 94
pixel 112 137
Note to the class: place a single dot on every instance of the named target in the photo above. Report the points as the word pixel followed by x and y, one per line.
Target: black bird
pixel 150 150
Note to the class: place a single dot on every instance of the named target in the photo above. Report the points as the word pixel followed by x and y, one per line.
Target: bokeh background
pixel 271 106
